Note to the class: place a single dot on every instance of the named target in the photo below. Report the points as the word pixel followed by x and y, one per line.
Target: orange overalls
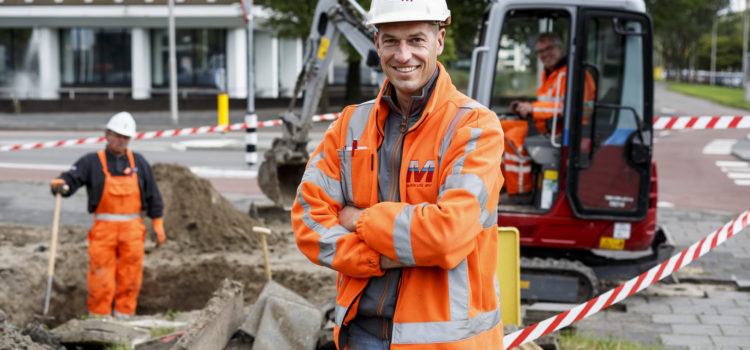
pixel 116 244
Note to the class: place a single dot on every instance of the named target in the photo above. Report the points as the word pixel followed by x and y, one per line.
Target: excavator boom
pixel 283 165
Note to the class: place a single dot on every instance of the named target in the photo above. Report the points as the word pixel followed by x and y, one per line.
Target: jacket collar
pixel 417 102
pixel 439 84
pixel 561 63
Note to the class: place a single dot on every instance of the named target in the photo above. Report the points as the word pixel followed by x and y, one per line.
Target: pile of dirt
pixel 208 240
pixel 24 255
pixel 198 218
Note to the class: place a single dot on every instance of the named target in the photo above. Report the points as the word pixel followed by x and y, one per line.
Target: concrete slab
pixel 217 322
pixel 287 325
pixel 741 149
pixel 739 341
pixel 723 319
pixel 252 322
pixel 687 340
pixel 696 329
pixel 540 311
pixel 100 331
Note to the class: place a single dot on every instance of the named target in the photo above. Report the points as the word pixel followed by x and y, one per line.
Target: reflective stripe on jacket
pixel 551 98
pixel 444 229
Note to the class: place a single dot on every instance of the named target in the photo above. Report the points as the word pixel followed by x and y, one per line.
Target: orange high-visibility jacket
pixel 550 102
pixel 444 229
pixel 551 98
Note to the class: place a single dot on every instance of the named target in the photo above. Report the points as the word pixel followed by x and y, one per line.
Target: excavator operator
pixel 119 184
pixel 549 103
pixel 400 198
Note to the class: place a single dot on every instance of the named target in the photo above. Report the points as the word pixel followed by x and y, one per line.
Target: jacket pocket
pixel 356 170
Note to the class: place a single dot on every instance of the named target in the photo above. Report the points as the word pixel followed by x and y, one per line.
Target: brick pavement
pixel 705 310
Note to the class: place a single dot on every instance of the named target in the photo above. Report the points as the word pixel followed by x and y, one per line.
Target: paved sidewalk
pixel 705 310
pixel 146 121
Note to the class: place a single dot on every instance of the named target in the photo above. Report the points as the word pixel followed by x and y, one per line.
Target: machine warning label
pixel 618 201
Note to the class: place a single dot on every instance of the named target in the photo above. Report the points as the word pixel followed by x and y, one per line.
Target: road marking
pixel 737 171
pixel 206 172
pixel 719 146
pixel 664 204
pixel 730 163
pixel 35 166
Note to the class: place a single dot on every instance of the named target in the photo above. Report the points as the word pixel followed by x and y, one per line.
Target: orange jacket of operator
pixel 444 230
pixel 550 97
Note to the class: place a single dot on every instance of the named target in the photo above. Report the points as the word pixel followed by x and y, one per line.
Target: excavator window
pixel 518 71
pixel 606 179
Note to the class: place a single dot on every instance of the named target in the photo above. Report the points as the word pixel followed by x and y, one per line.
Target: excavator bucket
pixel 280 174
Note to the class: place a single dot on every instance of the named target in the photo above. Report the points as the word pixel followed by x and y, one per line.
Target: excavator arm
pixel 283 165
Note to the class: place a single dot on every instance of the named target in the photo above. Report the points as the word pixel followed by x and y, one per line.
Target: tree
pixel 466 17
pixel 293 19
pixel 676 35
pixel 728 45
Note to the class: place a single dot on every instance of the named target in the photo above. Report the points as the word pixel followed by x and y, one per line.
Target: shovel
pixel 52 250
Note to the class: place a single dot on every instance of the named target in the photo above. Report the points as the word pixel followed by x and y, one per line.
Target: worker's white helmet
pixel 122 123
pixel 388 11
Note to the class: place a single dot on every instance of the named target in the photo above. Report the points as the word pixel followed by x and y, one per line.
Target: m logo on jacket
pixel 420 178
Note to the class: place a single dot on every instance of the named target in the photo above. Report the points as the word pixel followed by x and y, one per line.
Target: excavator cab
pixel 591 213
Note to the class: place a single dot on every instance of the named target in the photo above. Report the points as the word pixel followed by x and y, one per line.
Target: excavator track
pixel 557 280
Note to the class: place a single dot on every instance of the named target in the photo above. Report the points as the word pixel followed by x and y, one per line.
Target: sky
pixel 737 5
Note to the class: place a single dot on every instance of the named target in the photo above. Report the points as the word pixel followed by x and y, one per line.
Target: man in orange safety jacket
pixel 119 184
pixel 550 102
pixel 401 199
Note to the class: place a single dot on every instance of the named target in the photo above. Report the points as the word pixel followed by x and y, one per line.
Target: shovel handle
pixel 52 251
pixel 263 232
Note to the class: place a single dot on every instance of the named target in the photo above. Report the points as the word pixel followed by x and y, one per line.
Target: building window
pixel 95 56
pixel 19 64
pixel 200 53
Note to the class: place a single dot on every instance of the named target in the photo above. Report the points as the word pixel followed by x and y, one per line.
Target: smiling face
pixel 408 53
pixel 116 143
pixel 549 52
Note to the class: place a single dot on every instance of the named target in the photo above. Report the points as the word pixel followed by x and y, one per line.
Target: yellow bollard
pixel 223 110
pixel 509 274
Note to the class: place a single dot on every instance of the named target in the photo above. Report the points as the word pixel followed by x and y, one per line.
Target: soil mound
pixel 208 240
pixel 197 218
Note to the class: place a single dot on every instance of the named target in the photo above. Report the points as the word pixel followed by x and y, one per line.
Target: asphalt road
pixel 695 168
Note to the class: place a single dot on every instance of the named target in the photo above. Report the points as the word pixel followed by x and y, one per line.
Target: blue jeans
pixel 360 339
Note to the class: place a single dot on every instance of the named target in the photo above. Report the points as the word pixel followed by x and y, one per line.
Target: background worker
pixel 119 184
pixel 400 198
pixel 549 103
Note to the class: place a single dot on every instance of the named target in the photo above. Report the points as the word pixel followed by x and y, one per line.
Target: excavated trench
pixel 208 240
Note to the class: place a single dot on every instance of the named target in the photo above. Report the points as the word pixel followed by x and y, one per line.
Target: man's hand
pixel 514 106
pixel 524 109
pixel 388 263
pixel 348 217
pixel 58 186
pixel 159 230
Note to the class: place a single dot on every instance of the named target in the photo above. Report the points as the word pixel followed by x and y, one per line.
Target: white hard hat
pixel 122 123
pixel 387 11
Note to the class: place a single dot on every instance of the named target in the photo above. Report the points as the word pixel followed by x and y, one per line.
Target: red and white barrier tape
pixel 704 122
pixel 161 133
pixel 630 287
pixel 660 123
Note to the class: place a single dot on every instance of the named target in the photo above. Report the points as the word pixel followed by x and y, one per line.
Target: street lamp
pixel 745 29
pixel 712 78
